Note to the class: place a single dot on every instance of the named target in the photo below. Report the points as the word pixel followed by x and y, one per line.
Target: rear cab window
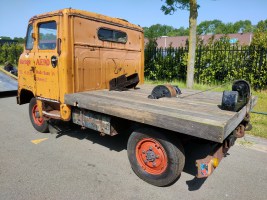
pixel 111 35
pixel 47 35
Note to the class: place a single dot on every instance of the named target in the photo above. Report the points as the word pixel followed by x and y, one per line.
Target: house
pixel 180 41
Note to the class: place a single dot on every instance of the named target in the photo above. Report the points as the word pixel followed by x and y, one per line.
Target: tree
pixel 5 38
pixel 210 27
pixel 179 32
pixel 260 35
pixel 243 26
pixel 169 8
pixel 157 30
pixel 20 40
pixel 218 27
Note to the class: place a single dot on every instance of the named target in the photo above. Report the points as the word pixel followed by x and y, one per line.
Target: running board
pixel 52 114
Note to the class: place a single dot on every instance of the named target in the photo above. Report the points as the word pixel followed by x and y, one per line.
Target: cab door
pixel 46 59
pixel 26 76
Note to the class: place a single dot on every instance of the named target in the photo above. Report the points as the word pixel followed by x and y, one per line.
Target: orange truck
pixel 88 69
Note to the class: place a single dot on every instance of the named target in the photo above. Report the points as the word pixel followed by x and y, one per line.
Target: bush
pixel 165 64
pixel 217 62
pixel 10 53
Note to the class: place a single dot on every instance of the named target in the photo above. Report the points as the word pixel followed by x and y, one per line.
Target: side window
pixel 47 35
pixel 29 39
pixel 112 35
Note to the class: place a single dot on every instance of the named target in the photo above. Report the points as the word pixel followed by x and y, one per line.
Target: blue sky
pixel 14 14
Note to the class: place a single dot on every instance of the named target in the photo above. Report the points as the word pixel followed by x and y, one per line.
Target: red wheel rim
pixel 35 115
pixel 151 156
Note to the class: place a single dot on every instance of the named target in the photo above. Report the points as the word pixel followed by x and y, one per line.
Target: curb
pixel 253 142
pixel 8 73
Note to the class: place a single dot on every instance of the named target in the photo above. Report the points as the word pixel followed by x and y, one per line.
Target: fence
pixel 213 64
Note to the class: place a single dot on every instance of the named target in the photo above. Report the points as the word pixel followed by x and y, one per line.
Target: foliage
pixel 243 26
pixel 260 35
pixel 20 40
pixel 179 32
pixel 220 62
pixel 259 121
pixel 217 62
pixel 218 27
pixel 17 39
pixel 165 64
pixel 157 30
pixel 10 53
pixel 172 5
pixel 206 27
pixel 5 38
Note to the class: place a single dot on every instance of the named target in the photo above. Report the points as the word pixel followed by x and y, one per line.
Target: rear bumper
pixel 207 165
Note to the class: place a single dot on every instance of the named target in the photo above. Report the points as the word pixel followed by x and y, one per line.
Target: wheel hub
pixel 38 120
pixel 151 156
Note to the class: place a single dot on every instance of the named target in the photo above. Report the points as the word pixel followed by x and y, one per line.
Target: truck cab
pixel 70 51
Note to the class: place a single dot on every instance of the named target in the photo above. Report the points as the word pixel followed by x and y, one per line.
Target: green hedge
pixel 10 53
pixel 216 63
pixel 165 64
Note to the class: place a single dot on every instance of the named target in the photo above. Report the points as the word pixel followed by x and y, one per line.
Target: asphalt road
pixel 83 165
pixel 7 83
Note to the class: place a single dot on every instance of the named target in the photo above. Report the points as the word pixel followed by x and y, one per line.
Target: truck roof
pixel 89 15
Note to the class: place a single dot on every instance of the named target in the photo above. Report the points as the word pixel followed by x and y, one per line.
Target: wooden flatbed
pixel 193 113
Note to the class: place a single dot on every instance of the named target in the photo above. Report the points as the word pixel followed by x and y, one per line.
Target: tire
pixel 154 158
pixel 38 123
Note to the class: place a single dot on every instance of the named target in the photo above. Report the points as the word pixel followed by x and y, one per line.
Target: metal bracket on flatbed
pixel 93 120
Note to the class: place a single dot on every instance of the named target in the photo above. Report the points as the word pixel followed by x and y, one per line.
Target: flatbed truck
pixel 71 63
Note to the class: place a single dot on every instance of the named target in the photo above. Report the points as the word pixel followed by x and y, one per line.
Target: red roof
pixel 180 41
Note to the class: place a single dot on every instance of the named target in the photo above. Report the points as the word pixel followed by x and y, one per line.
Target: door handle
pixel 54 61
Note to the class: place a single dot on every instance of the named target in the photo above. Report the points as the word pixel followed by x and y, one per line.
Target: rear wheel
pixel 38 122
pixel 154 158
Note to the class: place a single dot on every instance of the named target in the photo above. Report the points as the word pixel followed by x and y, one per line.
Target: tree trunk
pixel 192 43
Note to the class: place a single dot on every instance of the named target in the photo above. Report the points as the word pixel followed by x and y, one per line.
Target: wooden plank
pixel 199 127
pixel 129 102
pixel 195 114
pixel 177 102
pixel 193 96
pixel 174 106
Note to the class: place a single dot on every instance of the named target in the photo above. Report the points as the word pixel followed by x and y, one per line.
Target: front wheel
pixel 38 122
pixel 154 158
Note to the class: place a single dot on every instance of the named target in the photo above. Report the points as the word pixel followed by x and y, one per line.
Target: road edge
pixel 253 142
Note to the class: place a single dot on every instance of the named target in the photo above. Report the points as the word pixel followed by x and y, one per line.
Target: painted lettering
pixel 45 62
pixel 40 79
pixel 42 72
pixel 24 62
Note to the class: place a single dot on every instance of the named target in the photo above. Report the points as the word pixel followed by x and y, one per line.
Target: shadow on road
pixel 6 94
pixel 116 143
pixel 193 149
